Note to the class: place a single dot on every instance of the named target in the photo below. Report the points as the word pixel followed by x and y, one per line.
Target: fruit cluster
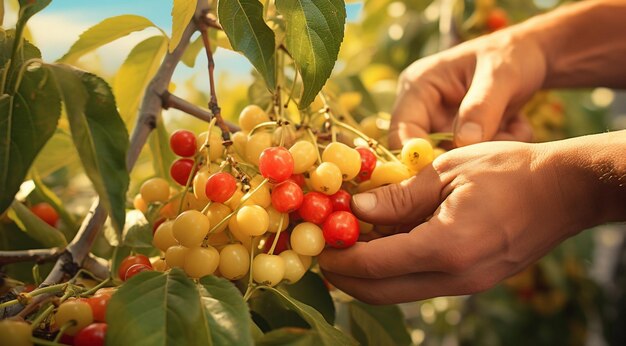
pixel 265 201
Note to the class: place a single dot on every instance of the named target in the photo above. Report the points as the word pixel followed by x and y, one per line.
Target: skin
pixel 483 212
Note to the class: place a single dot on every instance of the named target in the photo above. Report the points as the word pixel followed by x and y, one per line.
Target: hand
pixel 476 90
pixel 496 208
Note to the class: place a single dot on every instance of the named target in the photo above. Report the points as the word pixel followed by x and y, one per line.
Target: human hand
pixel 496 208
pixel 475 90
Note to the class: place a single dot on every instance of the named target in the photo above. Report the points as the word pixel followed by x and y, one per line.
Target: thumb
pixel 480 112
pixel 409 202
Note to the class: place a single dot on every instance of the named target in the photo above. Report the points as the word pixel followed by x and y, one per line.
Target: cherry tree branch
pixel 38 255
pixel 173 101
pixel 77 252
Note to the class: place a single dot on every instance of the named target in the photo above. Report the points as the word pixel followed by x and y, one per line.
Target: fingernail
pixel 470 133
pixel 364 201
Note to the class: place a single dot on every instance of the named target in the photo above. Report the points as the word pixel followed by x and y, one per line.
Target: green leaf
pixel 329 335
pixel 99 134
pixel 191 53
pixel 105 32
pixel 312 291
pixel 35 227
pixel 291 337
pixel 225 311
pixel 243 23
pixel 378 325
pixel 29 8
pixel 182 13
pixel 27 120
pixel 162 154
pixel 135 73
pixel 155 308
pixel 119 253
pixel 315 31
pixel 58 152
pixel 138 235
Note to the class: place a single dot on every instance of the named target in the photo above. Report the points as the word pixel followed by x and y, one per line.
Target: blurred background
pixel 574 296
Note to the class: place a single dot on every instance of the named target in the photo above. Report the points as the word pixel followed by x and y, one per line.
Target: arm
pixel 478 88
pixel 496 208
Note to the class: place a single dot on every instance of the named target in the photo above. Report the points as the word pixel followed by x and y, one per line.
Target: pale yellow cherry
pixel 307 239
pixel 240 139
pixel 347 159
pixel 275 217
pixel 417 153
pixel 294 266
pixel 234 261
pixel 304 156
pixel 163 237
pixel 326 178
pixel 216 213
pixel 216 146
pixel 175 256
pixel 256 144
pixel 268 269
pixel 251 116
pixel 155 190
pixel 389 173
pixel 140 204
pixel 201 261
pixel 190 228
pixel 252 220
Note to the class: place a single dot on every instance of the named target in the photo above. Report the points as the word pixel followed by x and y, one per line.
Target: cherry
pixel 276 164
pixel 497 19
pixel 99 306
pixel 129 261
pixel 136 269
pixel 46 212
pixel 92 335
pixel 220 187
pixel 298 179
pixel 315 207
pixel 181 170
pixel 368 163
pixel 341 229
pixel 287 197
pixel 156 224
pixel 341 201
pixel 183 143
pixel 281 244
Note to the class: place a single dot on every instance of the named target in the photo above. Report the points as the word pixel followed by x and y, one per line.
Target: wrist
pixel 590 175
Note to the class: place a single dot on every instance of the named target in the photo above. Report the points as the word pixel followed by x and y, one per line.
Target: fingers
pixel 406 288
pixel 421 250
pixel 481 111
pixel 409 118
pixel 408 202
pixel 517 129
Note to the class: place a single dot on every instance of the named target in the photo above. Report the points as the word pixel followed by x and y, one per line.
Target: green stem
pixel 196 161
pixel 250 288
pixel 314 141
pixel 441 136
pixel 280 227
pixel 241 203
pixel 95 288
pixel 49 289
pixel 262 125
pixel 9 303
pixel 62 330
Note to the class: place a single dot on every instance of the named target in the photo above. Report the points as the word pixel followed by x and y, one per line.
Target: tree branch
pixel 39 255
pixel 173 101
pixel 77 251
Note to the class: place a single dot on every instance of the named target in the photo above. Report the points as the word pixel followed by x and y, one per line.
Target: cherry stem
pixel 62 330
pixel 243 200
pixel 280 227
pixel 250 288
pixel 95 288
pixel 314 141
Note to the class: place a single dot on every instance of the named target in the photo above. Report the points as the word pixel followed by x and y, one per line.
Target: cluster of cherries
pixel 282 203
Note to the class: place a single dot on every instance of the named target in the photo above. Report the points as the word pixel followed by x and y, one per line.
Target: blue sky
pixel 60 24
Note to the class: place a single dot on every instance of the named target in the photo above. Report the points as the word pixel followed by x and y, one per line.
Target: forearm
pixel 590 172
pixel 584 44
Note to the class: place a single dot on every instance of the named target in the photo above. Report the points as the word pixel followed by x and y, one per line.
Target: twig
pixel 39 255
pixel 213 103
pixel 172 101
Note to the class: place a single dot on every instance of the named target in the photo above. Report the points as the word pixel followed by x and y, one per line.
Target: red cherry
pixel 294 217
pixel 276 164
pixel 92 335
pixel 183 143
pixel 67 339
pixel 497 19
pixel 220 187
pixel 281 245
pixel 287 197
pixel 136 269
pixel 99 306
pixel 46 212
pixel 341 229
pixel 156 224
pixel 368 163
pixel 315 207
pixel 181 170
pixel 341 201
pixel 129 261
pixel 298 179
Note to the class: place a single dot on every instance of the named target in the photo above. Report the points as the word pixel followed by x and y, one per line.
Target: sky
pixel 60 24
